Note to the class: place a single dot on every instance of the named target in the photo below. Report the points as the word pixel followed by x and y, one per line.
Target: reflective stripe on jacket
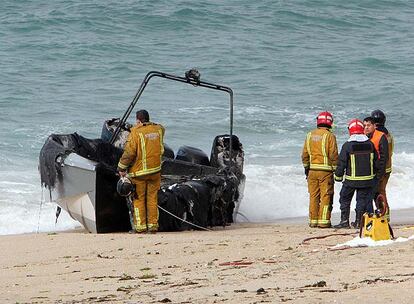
pixel 320 151
pixel 388 167
pixel 358 160
pixel 143 150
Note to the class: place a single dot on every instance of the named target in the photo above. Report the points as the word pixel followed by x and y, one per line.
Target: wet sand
pixel 243 263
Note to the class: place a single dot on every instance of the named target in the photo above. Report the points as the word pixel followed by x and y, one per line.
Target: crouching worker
pixel 141 161
pixel 319 157
pixel 358 160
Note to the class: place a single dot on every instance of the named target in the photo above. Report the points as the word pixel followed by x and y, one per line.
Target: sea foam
pixel 274 192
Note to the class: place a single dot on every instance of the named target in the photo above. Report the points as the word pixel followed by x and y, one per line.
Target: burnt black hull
pixel 81 176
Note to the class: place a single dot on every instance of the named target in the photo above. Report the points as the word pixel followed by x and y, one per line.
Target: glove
pixel 306 172
pixel 122 173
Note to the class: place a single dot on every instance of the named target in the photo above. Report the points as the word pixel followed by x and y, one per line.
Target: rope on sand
pixel 242 215
pixel 183 220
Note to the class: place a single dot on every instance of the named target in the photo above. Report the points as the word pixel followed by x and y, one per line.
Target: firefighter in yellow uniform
pixel 319 158
pixel 142 160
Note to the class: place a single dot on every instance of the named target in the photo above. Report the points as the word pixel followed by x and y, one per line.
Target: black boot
pixel 344 223
pixel 357 223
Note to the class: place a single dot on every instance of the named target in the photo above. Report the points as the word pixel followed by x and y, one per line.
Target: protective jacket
pixel 319 157
pixel 143 150
pixel 358 160
pixel 320 151
pixel 390 139
pixel 381 144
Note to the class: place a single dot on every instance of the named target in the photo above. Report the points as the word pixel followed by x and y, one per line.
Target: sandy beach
pixel 243 263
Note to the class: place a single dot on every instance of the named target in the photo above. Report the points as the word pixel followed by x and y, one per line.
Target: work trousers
pixel 363 199
pixel 321 191
pixel 146 202
pixel 382 184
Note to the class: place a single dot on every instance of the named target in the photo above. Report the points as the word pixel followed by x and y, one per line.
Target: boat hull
pixel 87 192
pixel 81 176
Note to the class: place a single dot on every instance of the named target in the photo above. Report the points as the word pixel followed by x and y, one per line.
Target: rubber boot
pixel 344 223
pixel 357 223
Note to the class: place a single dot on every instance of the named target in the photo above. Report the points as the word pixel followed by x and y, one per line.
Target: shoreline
pixel 243 263
pixel 399 216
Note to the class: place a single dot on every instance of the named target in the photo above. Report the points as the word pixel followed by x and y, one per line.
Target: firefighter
pixel 319 157
pixel 357 161
pixel 141 161
pixel 385 148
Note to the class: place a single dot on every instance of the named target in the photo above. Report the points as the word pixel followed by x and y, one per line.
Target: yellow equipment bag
pixel 376 226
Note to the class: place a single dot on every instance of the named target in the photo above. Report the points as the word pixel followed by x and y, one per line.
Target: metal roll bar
pixel 191 77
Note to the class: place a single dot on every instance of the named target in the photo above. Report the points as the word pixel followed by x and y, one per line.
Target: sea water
pixel 66 66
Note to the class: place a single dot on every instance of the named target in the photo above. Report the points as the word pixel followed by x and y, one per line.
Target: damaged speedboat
pixel 196 190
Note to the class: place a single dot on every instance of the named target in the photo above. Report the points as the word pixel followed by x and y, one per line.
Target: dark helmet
pixel 125 187
pixel 378 116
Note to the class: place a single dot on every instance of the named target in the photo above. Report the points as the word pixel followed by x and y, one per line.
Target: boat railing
pixel 191 77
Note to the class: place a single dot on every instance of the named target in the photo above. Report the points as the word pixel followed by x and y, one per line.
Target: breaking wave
pixel 276 192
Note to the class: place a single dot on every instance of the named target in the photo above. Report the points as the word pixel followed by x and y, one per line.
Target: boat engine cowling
pixel 192 155
pixel 220 153
pixel 168 152
pixel 108 130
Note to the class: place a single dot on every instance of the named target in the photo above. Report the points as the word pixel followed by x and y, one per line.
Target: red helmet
pixel 324 118
pixel 356 127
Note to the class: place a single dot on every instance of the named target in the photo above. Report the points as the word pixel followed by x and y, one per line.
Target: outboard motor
pixel 168 152
pixel 233 188
pixel 108 130
pixel 192 155
pixel 220 153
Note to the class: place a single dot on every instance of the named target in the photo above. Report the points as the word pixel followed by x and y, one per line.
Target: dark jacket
pixel 358 160
pixel 382 129
pixel 384 149
pixel 380 141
